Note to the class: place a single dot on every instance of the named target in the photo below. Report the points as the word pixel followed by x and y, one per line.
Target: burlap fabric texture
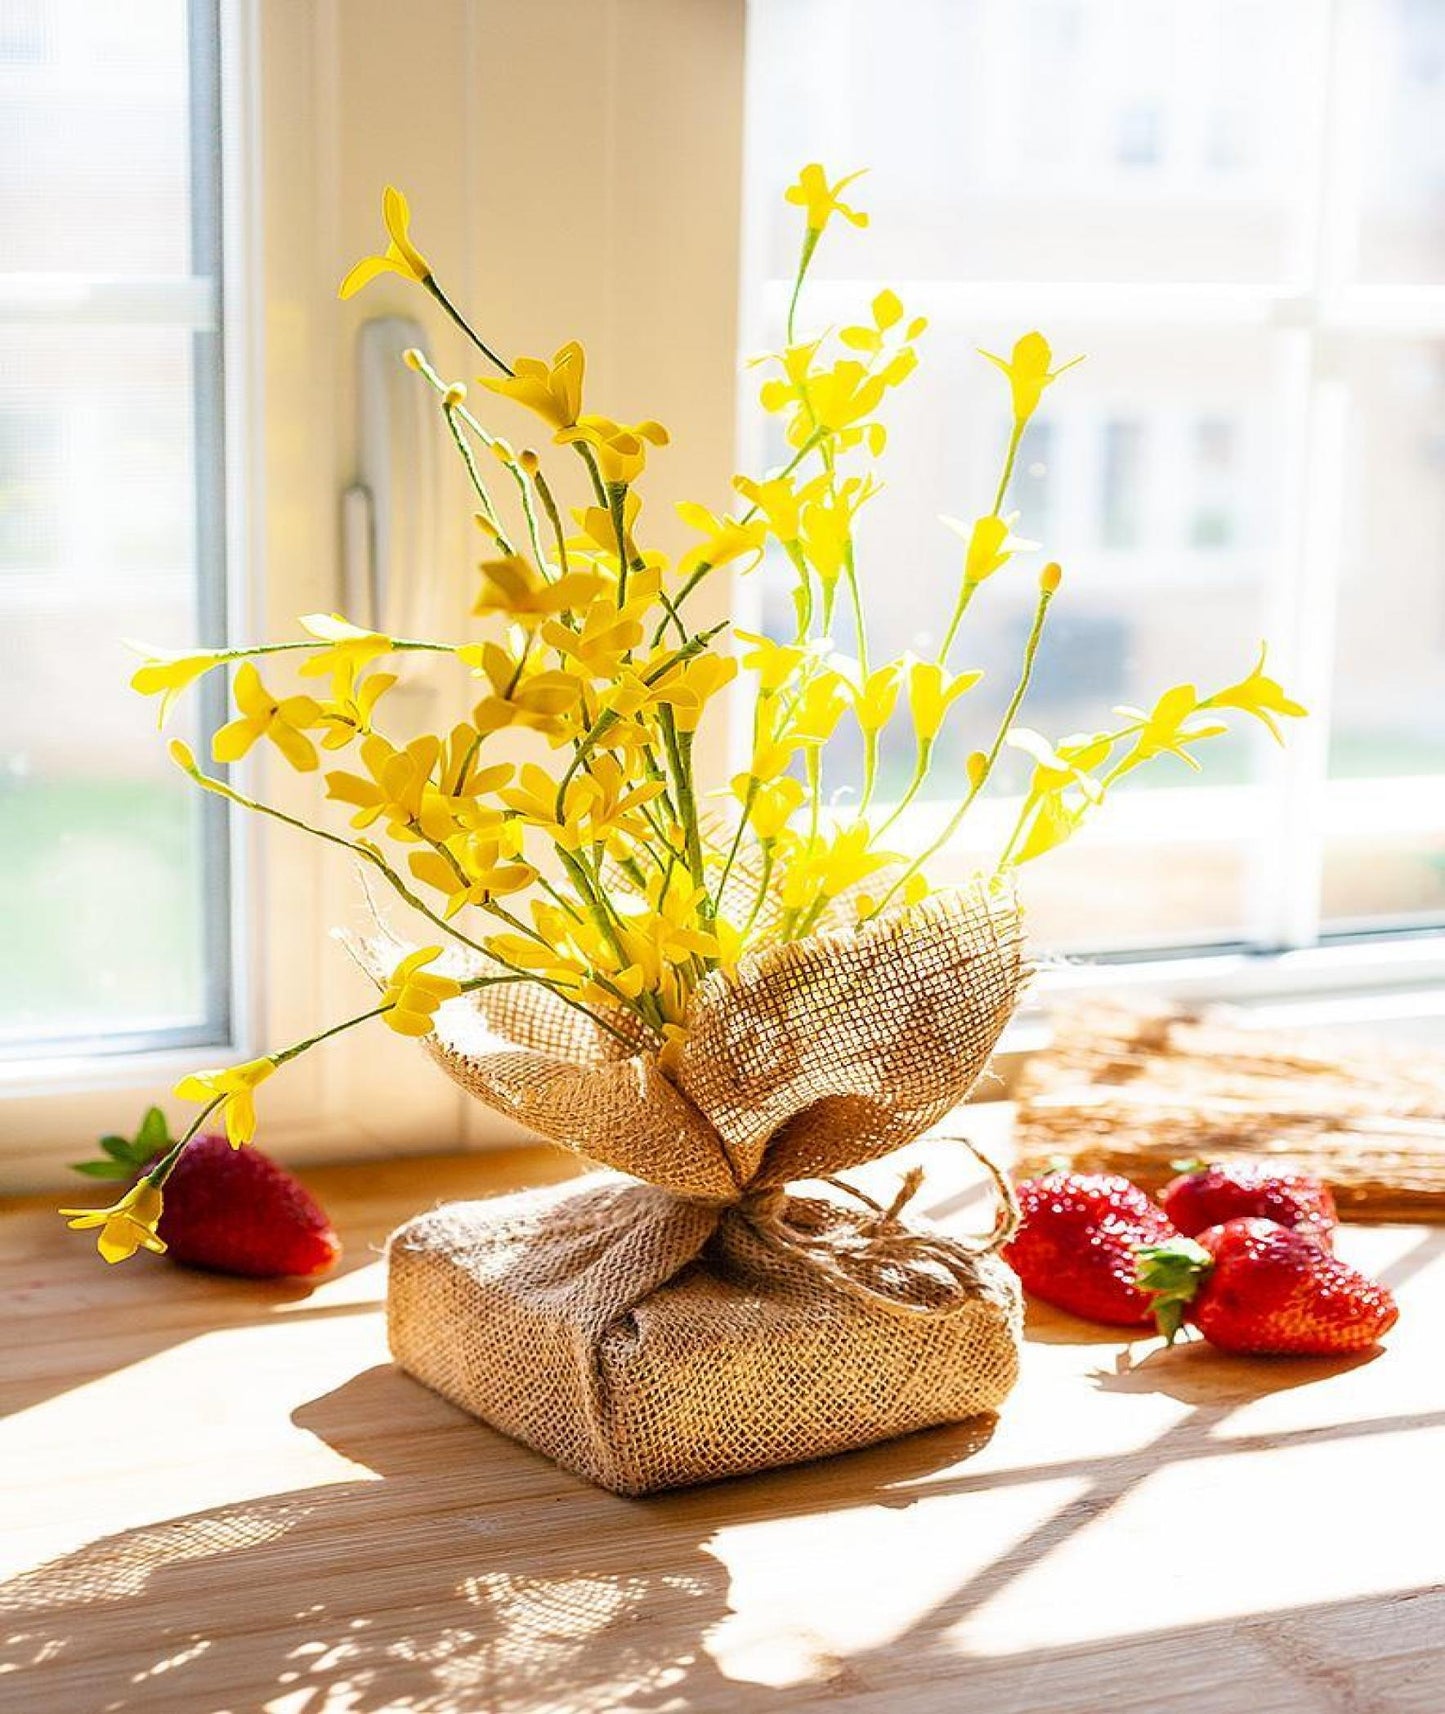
pixel 709 1321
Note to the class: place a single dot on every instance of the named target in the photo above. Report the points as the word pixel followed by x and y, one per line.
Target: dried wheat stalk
pixel 1132 1089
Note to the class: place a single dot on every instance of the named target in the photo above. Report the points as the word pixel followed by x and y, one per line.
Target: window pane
pixel 112 873
pixel 1402 226
pixel 95 137
pixel 1385 847
pixel 1038 139
pixel 1154 474
pixel 1041 162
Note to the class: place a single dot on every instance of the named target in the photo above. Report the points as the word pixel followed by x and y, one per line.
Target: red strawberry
pixel 236 1211
pixel 1077 1243
pixel 1257 1286
pixel 1236 1190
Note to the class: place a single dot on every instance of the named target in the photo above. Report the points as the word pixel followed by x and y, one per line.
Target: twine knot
pixel 871 1254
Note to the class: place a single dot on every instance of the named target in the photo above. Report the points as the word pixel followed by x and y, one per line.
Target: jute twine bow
pixel 880 1242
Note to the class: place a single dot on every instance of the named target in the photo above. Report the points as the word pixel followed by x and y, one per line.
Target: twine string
pixel 858 1253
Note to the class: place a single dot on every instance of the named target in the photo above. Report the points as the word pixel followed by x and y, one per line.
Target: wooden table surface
pixel 220 1496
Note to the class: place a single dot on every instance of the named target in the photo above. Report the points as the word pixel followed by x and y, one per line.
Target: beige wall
pixel 573 172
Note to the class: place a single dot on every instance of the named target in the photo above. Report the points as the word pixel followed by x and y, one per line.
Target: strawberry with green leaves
pixel 1078 1238
pixel 1258 1287
pixel 229 1210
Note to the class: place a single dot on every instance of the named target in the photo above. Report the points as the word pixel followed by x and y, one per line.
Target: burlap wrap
pixel 708 1322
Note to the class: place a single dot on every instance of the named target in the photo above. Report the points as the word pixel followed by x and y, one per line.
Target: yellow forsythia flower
pixel 821 200
pixel 724 539
pixel 620 450
pixel 1170 725
pixel 991 544
pixel 514 587
pixel 875 697
pixel 170 672
pixel 414 993
pixel 689 690
pixel 125 1227
pixel 931 693
pixel 350 645
pixel 263 715
pixel 1028 372
pixel 774 663
pixel 775 802
pixel 484 873
pixel 1260 696
pixel 553 391
pixel 236 1085
pixel 401 255
pixel 780 501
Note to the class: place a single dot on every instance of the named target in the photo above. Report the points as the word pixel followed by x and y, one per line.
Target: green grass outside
pixel 100 917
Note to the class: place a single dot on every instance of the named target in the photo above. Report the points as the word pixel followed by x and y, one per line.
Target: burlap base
pixel 644 1343
pixel 707 1322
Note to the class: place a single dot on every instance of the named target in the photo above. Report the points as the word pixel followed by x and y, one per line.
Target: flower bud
pixel 529 461
pixel 456 394
pixel 977 768
pixel 1050 578
pixel 412 358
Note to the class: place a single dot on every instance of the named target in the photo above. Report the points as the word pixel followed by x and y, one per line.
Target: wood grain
pixel 220 1496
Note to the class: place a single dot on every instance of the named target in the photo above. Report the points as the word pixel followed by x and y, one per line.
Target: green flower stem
pixel 965 596
pixel 674 602
pixel 870 770
pixel 455 416
pixel 520 668
pixel 367 853
pixel 915 785
pixel 554 517
pixel 589 458
pixel 750 798
pixel 1016 434
pixel 431 285
pixel 850 571
pixel 760 898
pixel 1032 800
pixel 617 506
pixel 805 256
pixel 1031 649
pixel 529 513
pixel 679 749
pixel 167 1163
pixel 811 915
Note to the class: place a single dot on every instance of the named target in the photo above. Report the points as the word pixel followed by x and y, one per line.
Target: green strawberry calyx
pixel 1173 1272
pixel 124 1157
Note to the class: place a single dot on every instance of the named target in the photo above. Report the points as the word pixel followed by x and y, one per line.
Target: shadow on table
pixel 461 1574
pixel 475 1576
pixel 134 1316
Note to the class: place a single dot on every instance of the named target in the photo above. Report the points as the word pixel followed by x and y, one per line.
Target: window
pixel 113 872
pixel 1241 220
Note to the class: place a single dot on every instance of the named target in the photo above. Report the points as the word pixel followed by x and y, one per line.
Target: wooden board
pixel 220 1496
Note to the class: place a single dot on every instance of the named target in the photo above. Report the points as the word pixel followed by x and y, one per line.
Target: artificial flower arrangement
pixel 718 993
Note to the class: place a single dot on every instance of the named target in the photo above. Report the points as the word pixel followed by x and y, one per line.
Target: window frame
pixel 51 1104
